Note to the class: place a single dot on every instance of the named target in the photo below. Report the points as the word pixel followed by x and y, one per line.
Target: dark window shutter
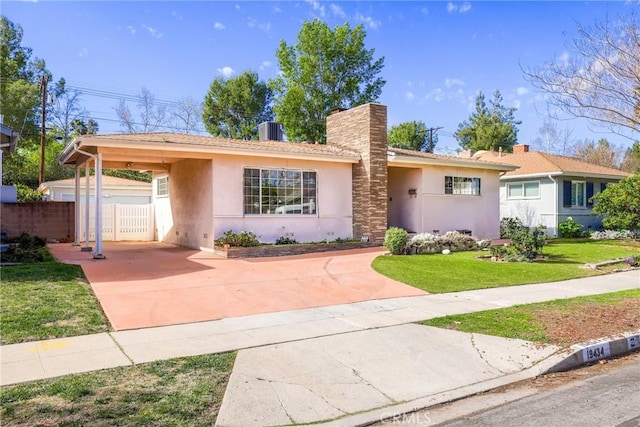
pixel 603 186
pixel 589 194
pixel 566 194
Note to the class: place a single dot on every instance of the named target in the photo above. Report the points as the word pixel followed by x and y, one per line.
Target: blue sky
pixel 438 54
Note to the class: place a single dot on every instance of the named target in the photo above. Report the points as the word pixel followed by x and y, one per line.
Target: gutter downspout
pixel 97 254
pixel 555 205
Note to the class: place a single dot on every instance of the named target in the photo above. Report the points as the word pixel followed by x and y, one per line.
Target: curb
pixel 564 360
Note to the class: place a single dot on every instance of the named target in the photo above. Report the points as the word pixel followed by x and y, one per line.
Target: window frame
pixel 256 202
pixel 165 192
pixel 454 185
pixel 522 185
pixel 574 194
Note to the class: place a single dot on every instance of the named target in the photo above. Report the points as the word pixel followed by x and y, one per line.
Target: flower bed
pixel 427 243
pixel 284 250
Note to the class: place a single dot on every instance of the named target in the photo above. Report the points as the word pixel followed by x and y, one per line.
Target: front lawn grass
pixel 460 271
pixel 560 322
pixel 179 392
pixel 47 300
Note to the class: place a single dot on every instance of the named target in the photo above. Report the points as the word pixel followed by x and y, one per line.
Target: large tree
pixel 414 136
pixel 489 127
pixel 619 204
pixel 19 78
pixel 602 153
pixel 327 69
pixel 600 81
pixel 233 108
pixel 631 160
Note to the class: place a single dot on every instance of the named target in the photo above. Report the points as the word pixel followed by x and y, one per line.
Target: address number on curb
pixel 596 352
pixel 633 342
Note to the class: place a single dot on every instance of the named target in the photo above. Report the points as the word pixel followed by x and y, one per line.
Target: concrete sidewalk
pixel 351 363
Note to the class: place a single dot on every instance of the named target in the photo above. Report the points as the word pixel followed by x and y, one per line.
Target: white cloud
pixel 410 96
pixel 219 26
pixel 522 91
pixel 368 21
pixel 152 31
pixel 176 15
pixel 83 52
pixel 463 8
pixel 436 94
pixel 316 6
pixel 337 11
pixel 266 27
pixel 131 30
pixel 265 65
pixel 451 82
pixel 226 71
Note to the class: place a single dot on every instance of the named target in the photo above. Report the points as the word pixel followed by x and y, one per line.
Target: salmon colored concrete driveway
pixel 152 284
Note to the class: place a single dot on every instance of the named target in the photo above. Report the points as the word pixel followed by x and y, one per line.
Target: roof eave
pixel 423 161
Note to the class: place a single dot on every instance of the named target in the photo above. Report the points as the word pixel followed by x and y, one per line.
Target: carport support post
pixel 98 253
pixel 76 237
pixel 87 201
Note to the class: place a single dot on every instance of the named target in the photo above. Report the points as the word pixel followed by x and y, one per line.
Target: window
pixel 461 185
pixel 578 190
pixel 279 192
pixel 523 190
pixel 163 186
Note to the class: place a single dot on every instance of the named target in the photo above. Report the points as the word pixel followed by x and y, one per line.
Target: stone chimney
pixel 363 129
pixel 520 148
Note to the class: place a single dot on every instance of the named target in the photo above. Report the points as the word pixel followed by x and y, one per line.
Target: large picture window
pixel 279 192
pixel 523 190
pixel 461 185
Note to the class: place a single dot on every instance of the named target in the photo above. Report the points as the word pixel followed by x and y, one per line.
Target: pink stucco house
pixel 352 187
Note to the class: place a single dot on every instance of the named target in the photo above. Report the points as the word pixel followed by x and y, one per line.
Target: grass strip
pixel 561 322
pixel 176 392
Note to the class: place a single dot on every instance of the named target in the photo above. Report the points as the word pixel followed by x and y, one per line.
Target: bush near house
pixel 510 226
pixel 570 228
pixel 427 243
pixel 395 240
pixel 243 239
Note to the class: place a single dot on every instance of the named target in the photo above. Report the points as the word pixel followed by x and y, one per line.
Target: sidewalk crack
pixel 480 353
pixel 281 403
pixel 121 348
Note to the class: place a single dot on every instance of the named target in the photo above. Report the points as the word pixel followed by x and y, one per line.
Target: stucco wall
pixel 333 218
pixel 404 209
pixel 446 212
pixel 49 220
pixel 185 218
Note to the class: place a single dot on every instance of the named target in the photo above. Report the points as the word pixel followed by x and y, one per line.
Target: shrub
pixel 452 240
pixel 633 261
pixel 243 239
pixel 570 228
pixel 395 240
pixel 510 226
pixel 283 240
pixel 25 249
pixel 28 194
pixel 528 244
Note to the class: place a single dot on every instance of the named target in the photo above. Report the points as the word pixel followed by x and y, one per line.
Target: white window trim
pixel 584 194
pixel 453 193
pixel 283 214
pixel 523 197
pixel 165 177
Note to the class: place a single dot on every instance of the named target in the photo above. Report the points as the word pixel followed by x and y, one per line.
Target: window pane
pixel 514 190
pixel 531 189
pixel 279 191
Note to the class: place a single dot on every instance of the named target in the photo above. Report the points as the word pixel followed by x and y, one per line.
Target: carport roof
pixel 152 151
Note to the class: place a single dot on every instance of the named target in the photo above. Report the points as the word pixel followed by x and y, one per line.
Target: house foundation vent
pixel 270 131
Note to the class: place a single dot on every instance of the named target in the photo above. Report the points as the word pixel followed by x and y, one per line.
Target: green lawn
pixel 555 322
pixel 460 271
pixel 178 392
pixel 47 300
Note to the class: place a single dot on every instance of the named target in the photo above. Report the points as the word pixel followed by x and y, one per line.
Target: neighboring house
pixel 352 187
pixel 114 190
pixel 8 142
pixel 547 189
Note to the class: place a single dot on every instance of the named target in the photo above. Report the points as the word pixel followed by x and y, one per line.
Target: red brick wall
pixel 49 220
pixel 364 129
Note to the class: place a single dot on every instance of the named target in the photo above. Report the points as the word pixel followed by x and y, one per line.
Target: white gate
pixel 120 222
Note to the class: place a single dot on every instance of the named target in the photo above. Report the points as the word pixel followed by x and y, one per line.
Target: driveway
pixel 150 284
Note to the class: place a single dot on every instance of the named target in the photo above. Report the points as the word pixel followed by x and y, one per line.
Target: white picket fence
pixel 120 222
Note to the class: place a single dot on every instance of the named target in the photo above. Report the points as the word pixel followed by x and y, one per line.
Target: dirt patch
pixel 589 321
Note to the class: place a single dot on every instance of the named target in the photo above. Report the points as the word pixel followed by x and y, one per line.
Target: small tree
pixel 619 204
pixel 413 136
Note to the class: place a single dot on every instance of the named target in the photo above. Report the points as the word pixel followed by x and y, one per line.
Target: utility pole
pixel 43 129
pixel 431 131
